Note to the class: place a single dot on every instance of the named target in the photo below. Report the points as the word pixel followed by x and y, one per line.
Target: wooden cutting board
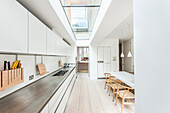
pixel 42 69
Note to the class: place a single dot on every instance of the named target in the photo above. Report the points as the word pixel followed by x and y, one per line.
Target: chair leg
pixel 110 90
pixel 113 95
pixel 105 86
pixel 122 105
pixel 116 99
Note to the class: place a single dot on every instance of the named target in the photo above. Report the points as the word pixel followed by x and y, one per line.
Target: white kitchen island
pixel 126 77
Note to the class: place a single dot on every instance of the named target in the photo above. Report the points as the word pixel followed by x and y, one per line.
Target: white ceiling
pixel 117 18
pixel 124 31
pixel 45 12
pixel 112 21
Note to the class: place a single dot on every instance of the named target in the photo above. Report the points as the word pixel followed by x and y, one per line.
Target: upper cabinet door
pixel 37 36
pixel 51 42
pixel 65 48
pixel 13 26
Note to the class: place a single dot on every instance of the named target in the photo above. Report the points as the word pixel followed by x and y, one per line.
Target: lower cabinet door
pixel 45 110
pixel 54 103
pixel 63 103
pixel 58 96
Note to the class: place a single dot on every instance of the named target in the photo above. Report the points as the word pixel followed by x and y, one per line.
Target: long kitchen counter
pixel 34 97
pixel 125 77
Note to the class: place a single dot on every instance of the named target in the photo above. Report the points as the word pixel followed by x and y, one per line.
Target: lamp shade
pixel 129 54
pixel 122 55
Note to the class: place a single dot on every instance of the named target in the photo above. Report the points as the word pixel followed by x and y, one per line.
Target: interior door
pixel 107 55
pixel 100 60
pixel 100 55
pixel 103 61
pixel 107 59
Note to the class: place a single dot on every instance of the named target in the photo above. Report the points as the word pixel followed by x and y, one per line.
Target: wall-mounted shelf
pixel 10 78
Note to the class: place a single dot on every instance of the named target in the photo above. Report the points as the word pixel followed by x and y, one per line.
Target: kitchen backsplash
pixel 29 63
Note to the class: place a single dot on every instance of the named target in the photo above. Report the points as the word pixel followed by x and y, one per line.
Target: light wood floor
pixel 89 96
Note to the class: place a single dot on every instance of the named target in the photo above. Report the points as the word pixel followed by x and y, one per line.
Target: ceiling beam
pixel 81 6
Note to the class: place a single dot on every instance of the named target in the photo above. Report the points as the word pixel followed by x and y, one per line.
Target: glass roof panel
pixel 81 16
pixel 80 2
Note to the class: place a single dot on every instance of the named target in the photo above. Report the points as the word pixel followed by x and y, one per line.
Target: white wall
pixel 82 43
pixel 93 61
pixel 152 55
pixel 29 63
pixel 114 44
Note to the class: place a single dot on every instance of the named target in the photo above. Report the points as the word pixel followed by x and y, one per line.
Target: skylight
pixel 81 15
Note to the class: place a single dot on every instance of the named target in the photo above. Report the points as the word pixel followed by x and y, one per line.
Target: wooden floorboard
pixel 89 96
pixel 96 105
pixel 106 102
pixel 84 96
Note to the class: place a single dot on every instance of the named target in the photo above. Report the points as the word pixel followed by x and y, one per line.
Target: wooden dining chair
pixel 107 75
pixel 125 95
pixel 114 87
pixel 110 81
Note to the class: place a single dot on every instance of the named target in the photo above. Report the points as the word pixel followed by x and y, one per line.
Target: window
pixel 83 54
pixel 79 17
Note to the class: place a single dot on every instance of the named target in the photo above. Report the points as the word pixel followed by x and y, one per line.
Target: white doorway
pixel 83 59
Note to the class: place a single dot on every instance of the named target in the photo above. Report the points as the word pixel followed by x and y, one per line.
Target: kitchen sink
pixel 61 73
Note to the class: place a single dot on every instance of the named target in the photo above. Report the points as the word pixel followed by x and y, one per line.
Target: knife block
pixel 10 78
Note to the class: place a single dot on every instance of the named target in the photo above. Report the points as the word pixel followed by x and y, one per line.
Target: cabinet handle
pixel 100 61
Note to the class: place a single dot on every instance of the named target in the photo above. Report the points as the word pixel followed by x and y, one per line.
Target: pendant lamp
pixel 129 53
pixel 122 54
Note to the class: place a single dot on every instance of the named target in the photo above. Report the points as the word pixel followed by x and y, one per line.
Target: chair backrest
pixel 107 75
pixel 118 81
pixel 112 78
pixel 124 87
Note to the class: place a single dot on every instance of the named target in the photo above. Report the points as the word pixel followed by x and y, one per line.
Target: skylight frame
pixel 90 6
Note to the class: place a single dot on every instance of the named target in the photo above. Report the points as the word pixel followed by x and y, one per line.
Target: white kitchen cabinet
pixel 59 49
pixel 64 101
pixel 103 60
pixel 45 109
pixel 66 48
pixel 51 42
pixel 37 35
pixel 13 26
pixel 58 100
pixel 56 45
pixel 62 47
